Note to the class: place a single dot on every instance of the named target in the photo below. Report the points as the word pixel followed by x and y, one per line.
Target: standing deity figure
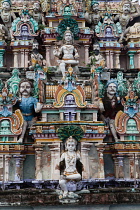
pixel 96 60
pixel 7 16
pixel 70 162
pixel 37 14
pixel 36 57
pixel 95 17
pixel 126 15
pixel 28 105
pixel 111 105
pixel 13 82
pixel 67 54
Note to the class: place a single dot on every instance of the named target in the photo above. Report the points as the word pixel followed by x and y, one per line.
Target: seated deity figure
pixel 67 54
pixel 96 60
pixel 37 14
pixel 111 105
pixel 95 17
pixel 28 105
pixel 70 162
pixel 7 16
pixel 36 57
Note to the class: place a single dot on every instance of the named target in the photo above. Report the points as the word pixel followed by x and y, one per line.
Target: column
pixel 131 166
pixel 100 149
pixel 22 59
pixel 86 53
pixel 48 63
pixel 6 168
pixel 85 148
pixel 131 59
pixel 111 59
pixel 116 168
pixel 15 59
pixel 55 160
pixel 1 57
pixel 61 115
pixel 137 169
pixel 107 59
pixel 38 160
pixel 117 60
pixel 120 167
pixel 19 167
pixel 78 115
pixel 26 58
pixel 138 55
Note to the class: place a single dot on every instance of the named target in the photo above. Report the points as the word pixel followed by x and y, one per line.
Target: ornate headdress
pixel 9 1
pixel 94 2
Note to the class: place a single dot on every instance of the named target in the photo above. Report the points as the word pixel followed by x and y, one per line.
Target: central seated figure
pixel 67 54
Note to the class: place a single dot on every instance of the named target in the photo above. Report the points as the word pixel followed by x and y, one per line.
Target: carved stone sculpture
pixel 13 82
pixel 111 106
pixel 96 61
pixel 70 160
pixel 95 17
pixel 37 14
pixel 7 16
pixel 67 54
pixel 28 105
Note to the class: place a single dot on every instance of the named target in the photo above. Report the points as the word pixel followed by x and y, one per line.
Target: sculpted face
pixel 67 11
pixel 68 37
pixel 95 8
pixel 36 7
pixel 25 89
pixel 96 49
pixel 6 6
pixel 70 146
pixel 126 8
pixel 112 89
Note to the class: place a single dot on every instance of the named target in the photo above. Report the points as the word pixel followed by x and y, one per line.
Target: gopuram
pixel 69 102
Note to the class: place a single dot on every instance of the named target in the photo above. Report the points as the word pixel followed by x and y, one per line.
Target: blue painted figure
pixel 28 105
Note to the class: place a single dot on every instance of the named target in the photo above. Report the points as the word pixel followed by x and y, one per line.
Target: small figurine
pixel 13 82
pixel 67 54
pixel 111 105
pixel 7 16
pixel 70 159
pixel 36 57
pixel 37 14
pixel 95 17
pixel 96 60
pixel 28 105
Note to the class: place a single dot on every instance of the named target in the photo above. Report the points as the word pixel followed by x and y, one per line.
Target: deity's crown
pixel 94 2
pixel 126 2
pixel 68 31
pixel 112 81
pixel 9 1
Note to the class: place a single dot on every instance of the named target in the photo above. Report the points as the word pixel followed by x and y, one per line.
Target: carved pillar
pixel 117 60
pixel 55 159
pixel 100 149
pixel 19 167
pixel 131 59
pixel 38 159
pixel 78 115
pixel 26 58
pixel 85 148
pixel 131 166
pixel 61 115
pixel 15 59
pixel 111 59
pixel 120 167
pixel 137 169
pixel 116 168
pixel 6 168
pixel 86 53
pixel 138 58
pixel 2 51
pixel 48 63
pixel 22 59
pixel 107 59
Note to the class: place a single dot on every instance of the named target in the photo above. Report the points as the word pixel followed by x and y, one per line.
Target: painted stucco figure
pixel 67 54
pixel 70 162
pixel 7 16
pixel 96 61
pixel 28 105
pixel 37 14
pixel 95 17
pixel 111 105
pixel 13 82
